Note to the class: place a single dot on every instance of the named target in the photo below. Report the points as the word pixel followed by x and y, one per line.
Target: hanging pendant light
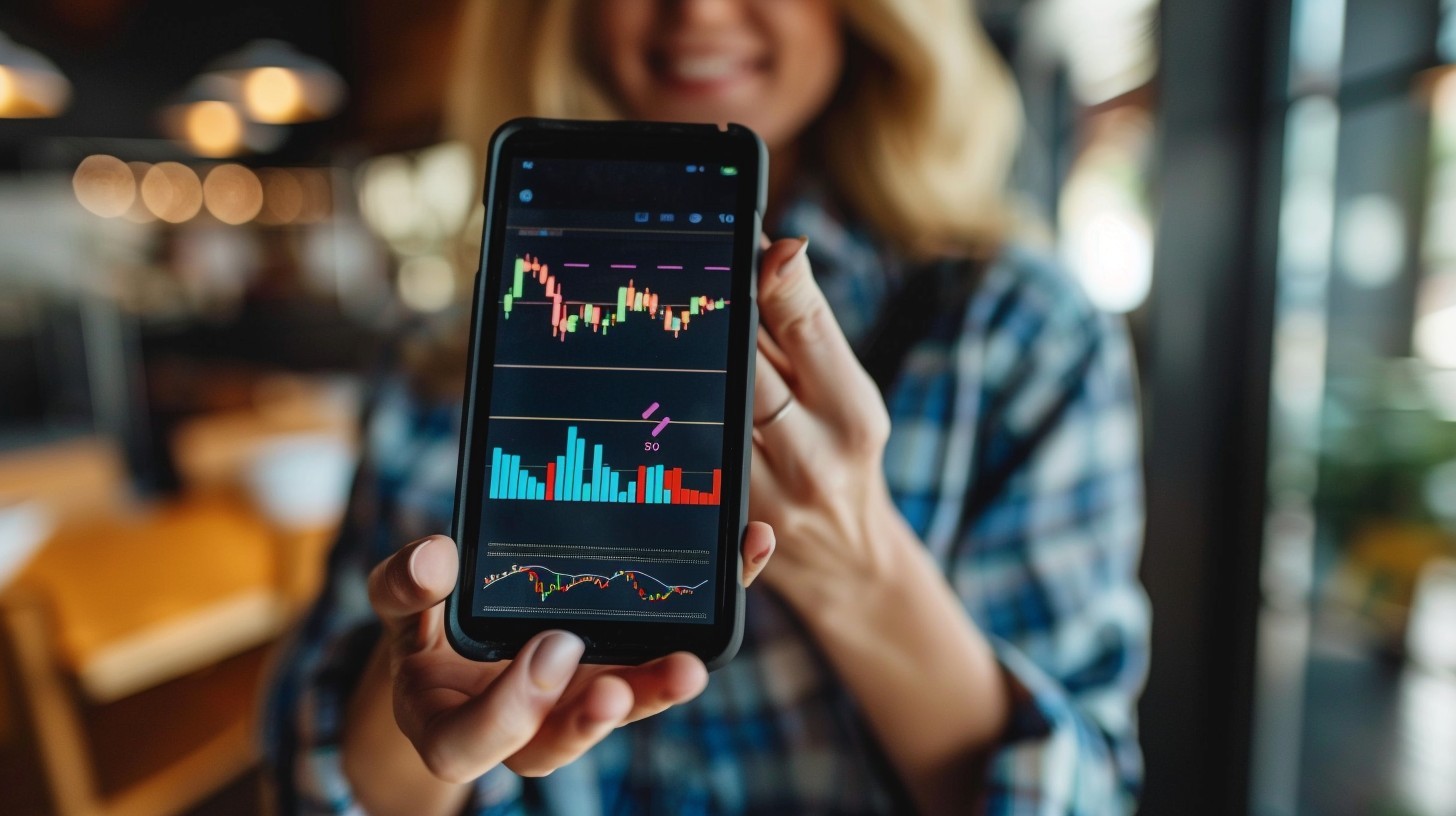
pixel 208 118
pixel 279 85
pixel 31 86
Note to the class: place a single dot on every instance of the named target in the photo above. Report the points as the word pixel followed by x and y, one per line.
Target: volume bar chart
pixel 571 477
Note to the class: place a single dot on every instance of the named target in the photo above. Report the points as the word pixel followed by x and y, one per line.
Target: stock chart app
pixel 605 438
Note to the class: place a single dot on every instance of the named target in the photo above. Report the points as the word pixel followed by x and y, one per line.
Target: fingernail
pixel 429 567
pixel 798 254
pixel 555 660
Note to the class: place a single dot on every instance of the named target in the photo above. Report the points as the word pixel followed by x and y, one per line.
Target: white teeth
pixel 704 69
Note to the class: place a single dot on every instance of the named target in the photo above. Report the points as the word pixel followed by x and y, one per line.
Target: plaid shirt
pixel 1030 374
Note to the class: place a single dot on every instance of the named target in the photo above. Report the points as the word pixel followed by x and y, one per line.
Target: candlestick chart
pixel 568 316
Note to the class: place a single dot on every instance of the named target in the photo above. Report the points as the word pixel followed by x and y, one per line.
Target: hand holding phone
pixel 602 486
pixel 533 714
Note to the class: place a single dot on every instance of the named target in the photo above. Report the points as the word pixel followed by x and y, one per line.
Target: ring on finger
pixel 782 412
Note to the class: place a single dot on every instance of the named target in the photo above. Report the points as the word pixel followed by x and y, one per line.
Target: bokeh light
pixel 282 196
pixel 273 95
pixel 8 90
pixel 213 129
pixel 232 193
pixel 104 185
pixel 1112 254
pixel 1435 327
pixel 1435 337
pixel 445 174
pixel 30 84
pixel 318 196
pixel 427 283
pixel 388 197
pixel 172 192
pixel 1106 233
pixel 138 213
pixel 1370 240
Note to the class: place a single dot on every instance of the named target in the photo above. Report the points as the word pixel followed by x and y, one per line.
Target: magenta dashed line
pixel 716 268
pixel 624 266
pixel 666 266
pixel 582 265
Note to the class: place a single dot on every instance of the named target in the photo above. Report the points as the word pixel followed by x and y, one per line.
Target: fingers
pixel 774 354
pixel 413 580
pixel 613 697
pixel 570 729
pixel 758 547
pixel 662 683
pixel 797 316
pixel 459 744
pixel 770 391
pixel 783 433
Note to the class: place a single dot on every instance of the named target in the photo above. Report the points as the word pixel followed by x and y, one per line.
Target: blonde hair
pixel 918 141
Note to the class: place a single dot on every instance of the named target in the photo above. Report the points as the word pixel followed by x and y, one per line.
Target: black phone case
pixel 466 491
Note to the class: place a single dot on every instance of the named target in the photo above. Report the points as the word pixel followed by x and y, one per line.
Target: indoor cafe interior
pixel 218 220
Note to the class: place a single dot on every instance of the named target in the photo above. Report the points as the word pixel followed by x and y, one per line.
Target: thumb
pixel 413 580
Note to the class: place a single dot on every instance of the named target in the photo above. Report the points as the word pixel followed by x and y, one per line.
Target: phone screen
pixel 604 480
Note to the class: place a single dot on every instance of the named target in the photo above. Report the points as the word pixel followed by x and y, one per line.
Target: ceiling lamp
pixel 279 85
pixel 209 120
pixel 30 85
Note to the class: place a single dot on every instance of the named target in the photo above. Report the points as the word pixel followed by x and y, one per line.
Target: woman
pixel 952 621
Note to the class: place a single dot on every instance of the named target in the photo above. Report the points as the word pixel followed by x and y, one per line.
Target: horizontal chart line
pixel 588 419
pixel 634 559
pixel 621 229
pixel 594 549
pixel 607 303
pixel 617 368
pixel 533 610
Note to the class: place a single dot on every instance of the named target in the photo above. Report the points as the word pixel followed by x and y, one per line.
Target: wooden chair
pixel 136 640
pixel 146 614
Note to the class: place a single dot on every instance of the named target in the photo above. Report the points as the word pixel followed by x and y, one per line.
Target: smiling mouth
pixel 710 69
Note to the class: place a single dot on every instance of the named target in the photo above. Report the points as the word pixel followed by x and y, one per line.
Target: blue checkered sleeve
pixel 1046 553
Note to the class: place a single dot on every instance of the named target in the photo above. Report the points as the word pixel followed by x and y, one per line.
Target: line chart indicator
pixel 570 316
pixel 545 582
pixel 571 478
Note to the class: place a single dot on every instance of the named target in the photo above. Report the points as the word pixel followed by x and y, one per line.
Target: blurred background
pixel 212 214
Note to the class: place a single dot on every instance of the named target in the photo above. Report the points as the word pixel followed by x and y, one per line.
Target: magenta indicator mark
pixel 624 266
pixel 577 264
pixel 716 268
pixel 650 409
pixel 668 266
pixel 661 425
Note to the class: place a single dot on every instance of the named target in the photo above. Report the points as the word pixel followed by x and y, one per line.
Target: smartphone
pixel 603 480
